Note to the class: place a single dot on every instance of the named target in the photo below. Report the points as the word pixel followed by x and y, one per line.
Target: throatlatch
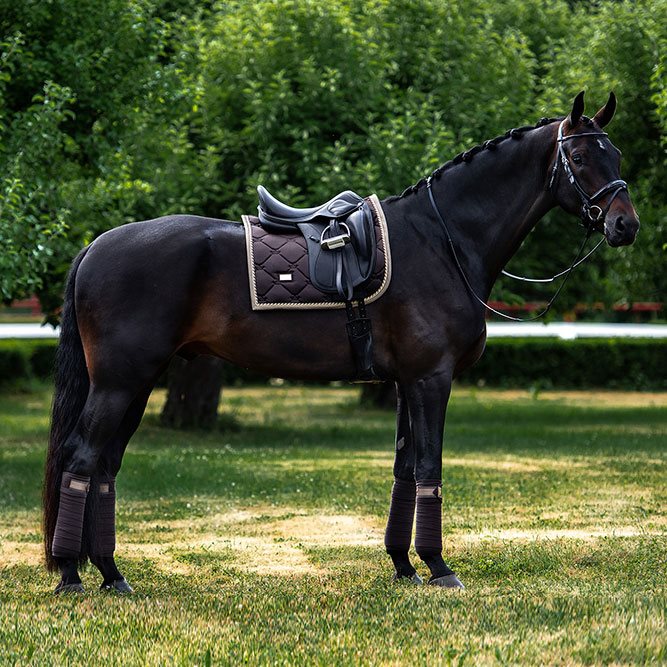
pixel 69 525
pixel 360 334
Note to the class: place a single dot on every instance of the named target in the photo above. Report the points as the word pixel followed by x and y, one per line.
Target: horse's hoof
pixel 118 586
pixel 415 578
pixel 448 581
pixel 69 588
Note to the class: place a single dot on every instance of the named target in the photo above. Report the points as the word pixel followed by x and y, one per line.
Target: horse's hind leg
pixel 104 541
pixel 398 535
pixel 100 418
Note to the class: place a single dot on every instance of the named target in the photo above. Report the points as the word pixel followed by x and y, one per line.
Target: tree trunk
pixel 381 395
pixel 193 393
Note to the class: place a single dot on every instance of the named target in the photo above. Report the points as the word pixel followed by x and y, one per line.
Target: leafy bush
pixel 25 360
pixel 14 363
pixel 611 363
pixel 635 364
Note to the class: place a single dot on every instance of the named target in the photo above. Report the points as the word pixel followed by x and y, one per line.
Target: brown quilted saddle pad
pixel 278 268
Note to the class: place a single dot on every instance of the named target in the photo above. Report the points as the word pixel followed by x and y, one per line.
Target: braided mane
pixel 491 144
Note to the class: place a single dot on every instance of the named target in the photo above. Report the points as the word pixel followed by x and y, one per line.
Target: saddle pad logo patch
pixel 278 268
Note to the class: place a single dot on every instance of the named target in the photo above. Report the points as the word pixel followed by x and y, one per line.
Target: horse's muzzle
pixel 621 229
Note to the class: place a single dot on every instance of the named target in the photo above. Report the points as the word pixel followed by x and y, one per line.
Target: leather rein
pixel 591 216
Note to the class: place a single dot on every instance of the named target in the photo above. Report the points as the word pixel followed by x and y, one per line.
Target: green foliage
pixel 186 107
pixel 617 47
pixel 32 145
pixel 24 360
pixel 93 126
pixel 313 97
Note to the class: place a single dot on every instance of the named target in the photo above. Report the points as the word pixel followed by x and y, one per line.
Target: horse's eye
pixel 576 158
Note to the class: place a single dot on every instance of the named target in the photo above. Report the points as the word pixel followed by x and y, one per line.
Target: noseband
pixel 591 213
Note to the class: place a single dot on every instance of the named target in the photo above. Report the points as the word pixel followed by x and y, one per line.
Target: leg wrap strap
pixel 428 538
pixel 398 535
pixel 69 525
pixel 105 534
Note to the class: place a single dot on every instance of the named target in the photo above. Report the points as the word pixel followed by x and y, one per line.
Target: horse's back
pixel 167 246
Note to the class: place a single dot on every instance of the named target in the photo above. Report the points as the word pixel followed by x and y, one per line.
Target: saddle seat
pixel 278 217
pixel 339 234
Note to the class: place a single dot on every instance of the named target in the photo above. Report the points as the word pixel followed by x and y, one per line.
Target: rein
pixel 591 216
pixel 567 272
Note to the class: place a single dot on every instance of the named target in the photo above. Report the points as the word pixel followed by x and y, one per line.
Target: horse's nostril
pixel 620 225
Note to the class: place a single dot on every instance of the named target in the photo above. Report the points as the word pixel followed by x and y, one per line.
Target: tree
pixel 93 126
pixel 32 226
pixel 193 394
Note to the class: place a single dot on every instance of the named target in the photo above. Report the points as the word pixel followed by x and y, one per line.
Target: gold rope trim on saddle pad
pixel 278 268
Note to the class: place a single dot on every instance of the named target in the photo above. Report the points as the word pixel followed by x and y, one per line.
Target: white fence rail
pixel 572 330
pixel 563 330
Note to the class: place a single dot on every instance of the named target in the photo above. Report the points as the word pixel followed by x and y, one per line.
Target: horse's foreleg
pixel 99 420
pixel 427 403
pixel 398 535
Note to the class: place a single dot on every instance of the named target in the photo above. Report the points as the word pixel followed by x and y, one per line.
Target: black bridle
pixel 591 215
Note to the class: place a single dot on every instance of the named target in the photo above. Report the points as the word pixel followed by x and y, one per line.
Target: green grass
pixel 263 544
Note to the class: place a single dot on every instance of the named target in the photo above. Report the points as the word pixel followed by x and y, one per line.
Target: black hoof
pixel 118 586
pixel 448 581
pixel 414 578
pixel 69 588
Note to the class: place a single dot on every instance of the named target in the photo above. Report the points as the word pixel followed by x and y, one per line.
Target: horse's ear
pixel 606 113
pixel 577 110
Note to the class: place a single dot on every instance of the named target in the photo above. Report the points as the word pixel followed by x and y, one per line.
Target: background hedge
pixel 25 360
pixel 611 363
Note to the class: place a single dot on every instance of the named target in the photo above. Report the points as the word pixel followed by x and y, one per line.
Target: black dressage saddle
pixel 340 235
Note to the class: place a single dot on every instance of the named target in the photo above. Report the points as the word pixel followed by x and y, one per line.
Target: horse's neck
pixel 492 203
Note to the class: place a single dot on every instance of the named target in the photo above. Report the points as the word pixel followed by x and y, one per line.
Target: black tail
pixel 71 390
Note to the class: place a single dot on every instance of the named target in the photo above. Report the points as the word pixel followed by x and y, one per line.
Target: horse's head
pixel 586 178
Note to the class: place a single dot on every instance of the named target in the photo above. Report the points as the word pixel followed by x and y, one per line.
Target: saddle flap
pixel 343 268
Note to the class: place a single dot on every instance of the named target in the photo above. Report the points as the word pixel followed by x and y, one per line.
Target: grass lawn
pixel 264 544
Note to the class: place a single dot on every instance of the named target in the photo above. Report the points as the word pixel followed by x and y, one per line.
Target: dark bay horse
pixel 146 291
